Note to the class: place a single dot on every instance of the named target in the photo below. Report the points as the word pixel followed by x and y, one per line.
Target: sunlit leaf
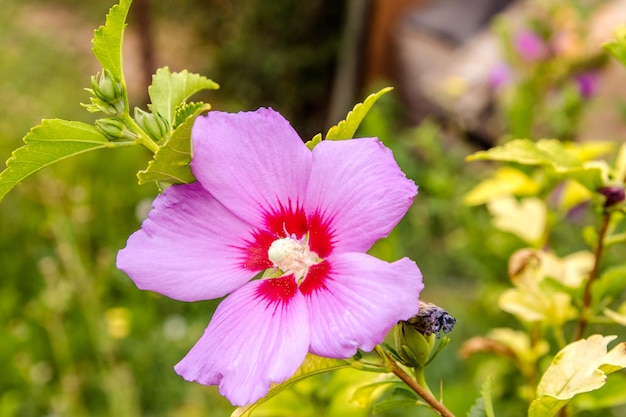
pixel 506 181
pixel 579 367
pixel 107 40
pixel 617 46
pixel 169 90
pixel 314 141
pixel 554 154
pixel 51 141
pixel 610 395
pixel 171 162
pixel 363 395
pixel 615 316
pixel 528 152
pixel 525 218
pixel 347 128
pixel 312 365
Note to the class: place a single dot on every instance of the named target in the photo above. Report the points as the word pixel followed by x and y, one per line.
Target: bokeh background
pixel 78 339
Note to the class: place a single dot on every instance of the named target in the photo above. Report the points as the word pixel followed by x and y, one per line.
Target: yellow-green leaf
pixel 312 365
pixel 51 141
pixel 525 218
pixel 107 40
pixel 171 161
pixel 579 367
pixel 347 128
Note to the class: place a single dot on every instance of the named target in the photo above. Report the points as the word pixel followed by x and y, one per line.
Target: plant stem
pixel 397 370
pixel 142 138
pixel 584 319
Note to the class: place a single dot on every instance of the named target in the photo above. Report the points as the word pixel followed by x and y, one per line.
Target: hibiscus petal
pixel 258 335
pixel 358 189
pixel 354 299
pixel 189 248
pixel 252 162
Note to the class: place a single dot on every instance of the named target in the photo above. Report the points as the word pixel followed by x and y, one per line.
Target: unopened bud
pixel 114 129
pixel 108 94
pixel 416 337
pixel 152 123
pixel 614 194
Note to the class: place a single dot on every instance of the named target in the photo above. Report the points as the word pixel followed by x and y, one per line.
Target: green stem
pixel 586 307
pixel 142 137
pixel 397 370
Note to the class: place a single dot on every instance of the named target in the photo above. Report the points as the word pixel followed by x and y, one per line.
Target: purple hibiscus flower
pixel 265 203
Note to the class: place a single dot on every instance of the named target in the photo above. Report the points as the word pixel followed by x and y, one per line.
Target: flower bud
pixel 614 194
pixel 416 337
pixel 108 92
pixel 414 348
pixel 152 123
pixel 114 129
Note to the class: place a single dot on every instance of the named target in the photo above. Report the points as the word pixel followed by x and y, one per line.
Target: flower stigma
pixel 292 256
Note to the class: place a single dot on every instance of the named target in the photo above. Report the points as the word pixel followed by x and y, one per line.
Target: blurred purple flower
pixel 500 75
pixel 587 84
pixel 265 202
pixel 530 46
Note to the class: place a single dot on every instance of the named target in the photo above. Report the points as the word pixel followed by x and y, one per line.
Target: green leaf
pixel 393 404
pixel 364 394
pixel 579 367
pixel 528 152
pixel 170 90
pixel 51 141
pixel 506 181
pixel 107 40
pixel 551 153
pixel 609 286
pixel 312 365
pixel 526 218
pixel 314 141
pixel 617 46
pixel 171 161
pixel 347 128
pixel 189 109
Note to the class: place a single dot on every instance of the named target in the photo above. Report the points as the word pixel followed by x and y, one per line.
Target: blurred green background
pixel 77 338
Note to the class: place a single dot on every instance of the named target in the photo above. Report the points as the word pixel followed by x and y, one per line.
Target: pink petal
pixel 258 335
pixel 189 248
pixel 354 299
pixel 359 190
pixel 252 162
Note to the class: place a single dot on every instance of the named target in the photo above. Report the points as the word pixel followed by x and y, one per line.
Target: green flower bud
pixel 152 123
pixel 114 129
pixel 416 337
pixel 108 92
pixel 414 348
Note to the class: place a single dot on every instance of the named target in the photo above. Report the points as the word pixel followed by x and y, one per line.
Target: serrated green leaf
pixel 171 161
pixel 314 141
pixel 51 141
pixel 312 365
pixel 107 40
pixel 347 128
pixel 189 109
pixel 169 90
